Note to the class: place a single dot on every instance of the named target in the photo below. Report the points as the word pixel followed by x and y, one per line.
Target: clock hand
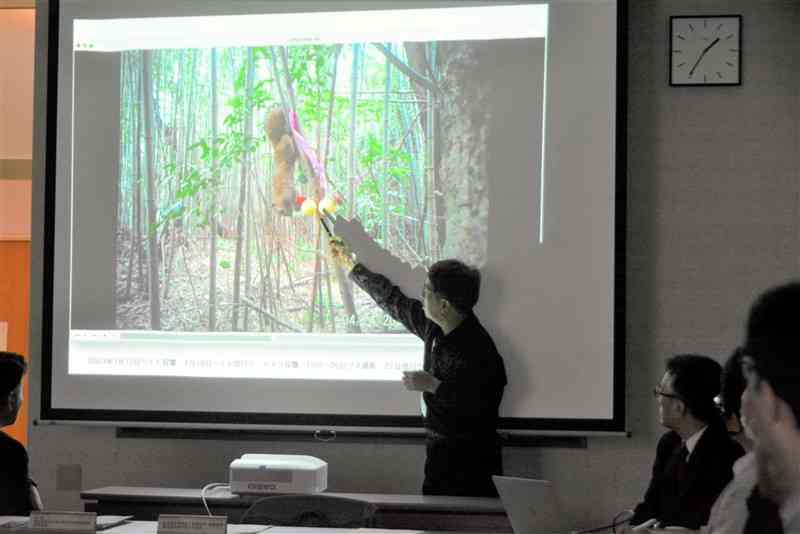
pixel 702 54
pixel 715 41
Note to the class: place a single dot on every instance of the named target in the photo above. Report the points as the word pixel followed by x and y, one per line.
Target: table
pixel 415 512
pixel 151 527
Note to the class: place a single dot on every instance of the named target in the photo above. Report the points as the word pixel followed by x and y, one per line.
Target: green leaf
pixel 238 84
pixel 204 148
pixel 225 264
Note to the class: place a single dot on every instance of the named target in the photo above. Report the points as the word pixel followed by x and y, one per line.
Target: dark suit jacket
pixel 688 503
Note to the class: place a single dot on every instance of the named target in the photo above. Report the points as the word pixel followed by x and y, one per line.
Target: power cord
pixel 613 526
pixel 207 487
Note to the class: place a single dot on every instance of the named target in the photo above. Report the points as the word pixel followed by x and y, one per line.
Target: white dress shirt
pixel 729 513
pixel 691 441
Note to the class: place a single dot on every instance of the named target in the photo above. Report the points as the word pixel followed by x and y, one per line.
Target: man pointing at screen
pixel 463 375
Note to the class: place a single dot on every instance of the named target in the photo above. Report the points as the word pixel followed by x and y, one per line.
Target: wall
pixel 712 220
pixel 15 279
pixel 16 134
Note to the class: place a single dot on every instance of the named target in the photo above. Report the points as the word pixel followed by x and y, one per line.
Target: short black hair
pixel 12 368
pixel 697 380
pixel 733 384
pixel 457 282
pixel 773 341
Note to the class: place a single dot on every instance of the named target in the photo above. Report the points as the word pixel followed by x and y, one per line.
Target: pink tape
pixel 304 147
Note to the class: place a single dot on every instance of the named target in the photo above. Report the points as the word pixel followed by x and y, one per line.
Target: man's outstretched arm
pixel 388 296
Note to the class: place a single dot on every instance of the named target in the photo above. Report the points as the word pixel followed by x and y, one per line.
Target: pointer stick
pixel 325 225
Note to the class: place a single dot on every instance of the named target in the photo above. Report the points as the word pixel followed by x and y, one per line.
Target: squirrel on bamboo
pixel 285 157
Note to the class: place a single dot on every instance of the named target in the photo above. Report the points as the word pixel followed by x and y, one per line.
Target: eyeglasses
pixel 658 393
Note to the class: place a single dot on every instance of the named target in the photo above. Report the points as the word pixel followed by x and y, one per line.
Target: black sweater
pixel 466 361
pixel 15 494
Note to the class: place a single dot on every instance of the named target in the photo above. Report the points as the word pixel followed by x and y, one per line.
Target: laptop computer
pixel 531 505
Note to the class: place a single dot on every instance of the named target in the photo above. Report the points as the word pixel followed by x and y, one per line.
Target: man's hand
pixel 341 254
pixel 420 381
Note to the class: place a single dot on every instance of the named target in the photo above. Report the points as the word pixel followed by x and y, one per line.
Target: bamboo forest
pixel 227 154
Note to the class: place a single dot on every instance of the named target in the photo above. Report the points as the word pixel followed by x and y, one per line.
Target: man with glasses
pixel 694 459
pixel 463 375
pixel 771 409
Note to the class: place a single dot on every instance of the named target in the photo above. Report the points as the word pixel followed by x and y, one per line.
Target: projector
pixel 278 473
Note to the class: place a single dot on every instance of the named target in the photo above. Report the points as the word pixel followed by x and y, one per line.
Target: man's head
pixel 451 290
pixel 771 361
pixel 12 368
pixel 733 384
pixel 687 390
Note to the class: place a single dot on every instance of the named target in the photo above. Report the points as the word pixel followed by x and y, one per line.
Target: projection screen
pixel 190 283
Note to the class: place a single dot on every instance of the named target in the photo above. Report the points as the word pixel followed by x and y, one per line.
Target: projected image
pixel 232 149
pixel 229 154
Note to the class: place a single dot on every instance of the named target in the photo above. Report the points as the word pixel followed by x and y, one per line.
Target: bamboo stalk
pixel 310 322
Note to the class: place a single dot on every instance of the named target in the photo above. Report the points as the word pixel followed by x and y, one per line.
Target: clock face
pixel 705 50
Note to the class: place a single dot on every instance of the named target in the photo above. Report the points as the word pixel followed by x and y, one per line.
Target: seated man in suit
pixel 18 494
pixel 771 410
pixel 730 399
pixel 729 513
pixel 694 459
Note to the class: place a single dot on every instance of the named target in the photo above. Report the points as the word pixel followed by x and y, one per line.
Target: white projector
pixel 278 473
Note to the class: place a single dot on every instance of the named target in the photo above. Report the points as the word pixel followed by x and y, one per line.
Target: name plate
pixel 74 522
pixel 192 524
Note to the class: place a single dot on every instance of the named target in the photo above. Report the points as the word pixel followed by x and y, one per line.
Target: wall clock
pixel 705 50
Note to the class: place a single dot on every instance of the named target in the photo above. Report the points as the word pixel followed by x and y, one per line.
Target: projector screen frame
pixel 303 422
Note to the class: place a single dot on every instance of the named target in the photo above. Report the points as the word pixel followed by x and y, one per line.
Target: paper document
pixel 108 521
pixel 102 522
pixel 247 529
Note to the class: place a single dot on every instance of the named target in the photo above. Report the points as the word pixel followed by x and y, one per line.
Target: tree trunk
pixel 171 146
pixel 422 58
pixel 464 116
pixel 345 286
pixel 152 197
pixel 133 128
pixel 329 121
pixel 247 132
pixel 351 169
pixel 247 246
pixel 141 283
pixel 386 90
pixel 340 278
pixel 212 210
pixel 331 310
pixel 413 207
pixel 314 279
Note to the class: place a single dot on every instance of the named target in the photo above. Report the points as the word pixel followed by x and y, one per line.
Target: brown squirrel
pixel 285 156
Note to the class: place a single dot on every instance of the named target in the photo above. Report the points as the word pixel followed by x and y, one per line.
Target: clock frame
pixel 711 43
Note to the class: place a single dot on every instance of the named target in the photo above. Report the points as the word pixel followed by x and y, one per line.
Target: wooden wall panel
pixel 15 258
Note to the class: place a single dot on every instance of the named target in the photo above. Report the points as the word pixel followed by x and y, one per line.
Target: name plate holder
pixel 192 524
pixel 67 522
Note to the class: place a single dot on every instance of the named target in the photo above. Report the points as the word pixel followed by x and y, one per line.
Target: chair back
pixel 316 510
